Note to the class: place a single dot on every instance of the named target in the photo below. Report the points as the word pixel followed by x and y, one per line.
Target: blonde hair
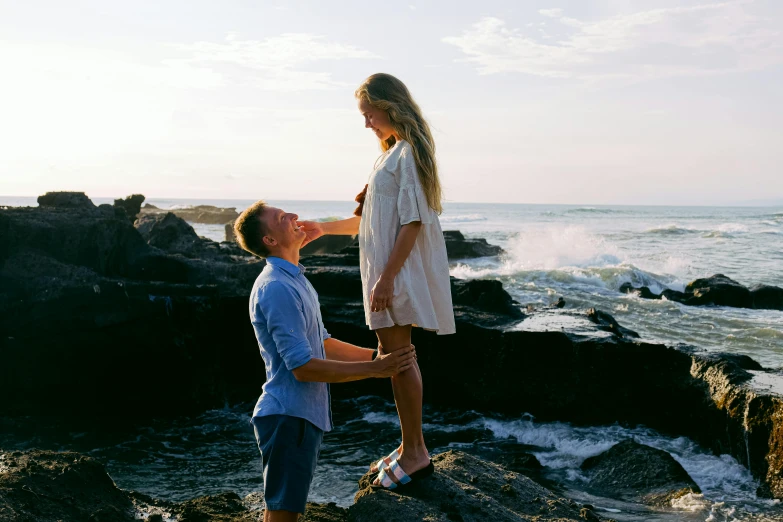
pixel 250 229
pixel 387 93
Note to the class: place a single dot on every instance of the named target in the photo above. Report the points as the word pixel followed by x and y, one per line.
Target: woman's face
pixel 377 120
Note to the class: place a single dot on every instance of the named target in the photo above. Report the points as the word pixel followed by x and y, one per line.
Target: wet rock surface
pixel 464 488
pixel 717 290
pixel 635 472
pixel 46 486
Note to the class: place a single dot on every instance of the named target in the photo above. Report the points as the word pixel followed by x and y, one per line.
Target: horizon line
pixel 746 204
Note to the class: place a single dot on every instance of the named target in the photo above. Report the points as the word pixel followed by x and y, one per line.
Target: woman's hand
pixel 313 229
pixel 381 295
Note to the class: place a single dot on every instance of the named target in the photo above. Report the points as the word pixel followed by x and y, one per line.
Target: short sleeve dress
pixel 422 288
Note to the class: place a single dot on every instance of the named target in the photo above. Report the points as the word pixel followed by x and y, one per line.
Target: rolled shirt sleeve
pixel 412 202
pixel 285 320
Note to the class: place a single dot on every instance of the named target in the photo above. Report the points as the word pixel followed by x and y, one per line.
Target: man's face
pixel 281 229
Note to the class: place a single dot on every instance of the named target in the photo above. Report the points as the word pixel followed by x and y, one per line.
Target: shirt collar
pixel 288 266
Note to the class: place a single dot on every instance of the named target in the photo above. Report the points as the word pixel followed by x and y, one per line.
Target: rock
pixel 224 507
pixel 458 247
pixel 767 297
pixel 673 295
pixel 229 229
pixel 719 290
pixel 607 323
pixel 560 303
pixel 485 295
pixel 716 290
pixel 330 512
pixel 463 488
pixel 75 281
pixel 167 232
pixel 84 237
pixel 131 205
pixel 66 200
pixel 206 214
pixel 45 486
pixel 643 291
pixel 638 473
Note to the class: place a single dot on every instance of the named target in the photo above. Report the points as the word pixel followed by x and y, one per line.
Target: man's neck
pixel 292 256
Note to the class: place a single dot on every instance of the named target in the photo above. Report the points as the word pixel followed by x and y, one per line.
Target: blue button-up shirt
pixel 286 316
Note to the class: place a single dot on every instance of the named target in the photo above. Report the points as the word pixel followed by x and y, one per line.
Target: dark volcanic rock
pixel 486 295
pixel 635 472
pixel 767 297
pixel 718 290
pixel 131 205
pixel 643 291
pixel 87 307
pixel 66 200
pixel 607 323
pixel 458 247
pixel 224 507
pixel 167 232
pixel 44 486
pixel 464 488
pixel 105 242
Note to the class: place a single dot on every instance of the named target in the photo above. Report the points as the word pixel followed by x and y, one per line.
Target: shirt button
pixel 292 331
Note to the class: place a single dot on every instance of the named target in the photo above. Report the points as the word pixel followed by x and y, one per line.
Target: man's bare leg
pixel 280 516
pixel 408 393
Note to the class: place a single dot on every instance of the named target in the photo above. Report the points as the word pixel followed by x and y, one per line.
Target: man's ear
pixel 269 241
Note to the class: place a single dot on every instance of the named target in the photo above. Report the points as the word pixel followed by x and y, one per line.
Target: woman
pixel 404 266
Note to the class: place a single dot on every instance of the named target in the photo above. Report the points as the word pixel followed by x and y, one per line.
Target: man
pixel 301 358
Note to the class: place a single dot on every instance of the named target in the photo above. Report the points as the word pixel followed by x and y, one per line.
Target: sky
pixel 573 101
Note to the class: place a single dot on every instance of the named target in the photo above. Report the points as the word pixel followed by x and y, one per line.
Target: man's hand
pixel 381 295
pixel 413 346
pixel 389 365
pixel 313 229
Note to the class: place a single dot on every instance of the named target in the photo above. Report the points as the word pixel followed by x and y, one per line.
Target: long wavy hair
pixel 387 93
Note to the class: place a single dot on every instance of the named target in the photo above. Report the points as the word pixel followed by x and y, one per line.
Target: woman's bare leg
pixel 408 392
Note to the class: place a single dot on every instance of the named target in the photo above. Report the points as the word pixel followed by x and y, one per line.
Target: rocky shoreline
pixel 89 303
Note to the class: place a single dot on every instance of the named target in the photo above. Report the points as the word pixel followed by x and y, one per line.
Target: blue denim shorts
pixel 289 452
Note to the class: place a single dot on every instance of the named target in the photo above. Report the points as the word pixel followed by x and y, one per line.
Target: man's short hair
pixel 250 229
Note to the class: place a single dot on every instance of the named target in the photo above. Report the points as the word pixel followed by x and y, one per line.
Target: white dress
pixel 422 289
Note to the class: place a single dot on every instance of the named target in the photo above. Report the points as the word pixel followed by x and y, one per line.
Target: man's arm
pixel 324 370
pixel 341 351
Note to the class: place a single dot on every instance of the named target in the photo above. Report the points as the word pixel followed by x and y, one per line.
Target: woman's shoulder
pixel 400 156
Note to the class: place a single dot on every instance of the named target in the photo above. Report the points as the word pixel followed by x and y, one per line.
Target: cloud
pixel 706 39
pixel 551 13
pixel 274 63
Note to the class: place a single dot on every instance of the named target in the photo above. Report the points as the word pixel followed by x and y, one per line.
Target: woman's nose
pixel 367 123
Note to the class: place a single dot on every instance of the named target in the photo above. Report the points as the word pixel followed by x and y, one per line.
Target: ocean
pixel 582 253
